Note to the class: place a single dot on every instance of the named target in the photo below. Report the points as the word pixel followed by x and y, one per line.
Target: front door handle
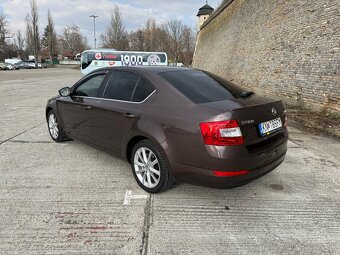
pixel 87 107
pixel 129 115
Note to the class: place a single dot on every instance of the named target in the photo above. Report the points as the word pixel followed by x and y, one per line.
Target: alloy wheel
pixel 147 167
pixel 53 126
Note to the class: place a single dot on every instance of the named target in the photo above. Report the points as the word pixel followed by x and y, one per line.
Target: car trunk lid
pixel 250 112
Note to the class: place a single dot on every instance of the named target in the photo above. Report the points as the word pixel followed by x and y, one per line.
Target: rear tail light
pixel 223 133
pixel 229 174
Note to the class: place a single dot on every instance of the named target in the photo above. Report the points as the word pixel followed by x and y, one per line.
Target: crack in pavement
pixel 148 212
pixel 23 141
pixel 2 142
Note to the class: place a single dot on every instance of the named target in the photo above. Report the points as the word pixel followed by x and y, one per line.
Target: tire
pixel 54 128
pixel 150 168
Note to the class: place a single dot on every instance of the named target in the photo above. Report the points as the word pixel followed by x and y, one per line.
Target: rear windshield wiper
pixel 246 94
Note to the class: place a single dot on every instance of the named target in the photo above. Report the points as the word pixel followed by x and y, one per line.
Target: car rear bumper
pixel 205 177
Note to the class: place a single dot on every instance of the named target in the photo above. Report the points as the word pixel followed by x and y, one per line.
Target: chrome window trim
pixel 116 100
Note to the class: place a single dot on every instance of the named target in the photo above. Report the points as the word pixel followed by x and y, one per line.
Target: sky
pixel 77 12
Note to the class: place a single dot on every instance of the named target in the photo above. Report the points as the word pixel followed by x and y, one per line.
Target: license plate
pixel 266 128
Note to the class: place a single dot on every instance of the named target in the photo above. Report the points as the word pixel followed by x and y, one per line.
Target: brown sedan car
pixel 173 124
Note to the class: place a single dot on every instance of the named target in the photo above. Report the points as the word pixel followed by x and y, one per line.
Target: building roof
pixel 205 10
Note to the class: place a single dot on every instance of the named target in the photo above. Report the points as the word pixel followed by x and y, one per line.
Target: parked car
pixel 31 65
pixel 3 66
pixel 20 65
pixel 12 61
pixel 11 66
pixel 42 65
pixel 173 124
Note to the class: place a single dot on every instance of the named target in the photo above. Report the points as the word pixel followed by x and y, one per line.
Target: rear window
pixel 201 87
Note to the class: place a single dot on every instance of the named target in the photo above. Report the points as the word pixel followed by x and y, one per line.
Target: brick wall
pixel 287 49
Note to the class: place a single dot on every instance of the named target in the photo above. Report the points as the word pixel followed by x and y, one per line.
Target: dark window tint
pixel 90 87
pixel 121 86
pixel 201 87
pixel 143 90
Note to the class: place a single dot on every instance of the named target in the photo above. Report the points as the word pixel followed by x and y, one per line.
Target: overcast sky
pixel 69 12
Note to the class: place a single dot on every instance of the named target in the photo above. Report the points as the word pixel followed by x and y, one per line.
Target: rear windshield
pixel 202 87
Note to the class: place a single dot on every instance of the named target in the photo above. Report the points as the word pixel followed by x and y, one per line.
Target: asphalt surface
pixel 69 198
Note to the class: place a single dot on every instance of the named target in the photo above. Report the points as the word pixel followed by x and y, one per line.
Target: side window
pixel 143 90
pixel 87 58
pixel 90 87
pixel 121 86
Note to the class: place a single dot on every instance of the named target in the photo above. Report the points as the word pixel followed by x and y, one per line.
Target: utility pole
pixel 94 28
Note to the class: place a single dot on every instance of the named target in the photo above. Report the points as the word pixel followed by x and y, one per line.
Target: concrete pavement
pixel 69 198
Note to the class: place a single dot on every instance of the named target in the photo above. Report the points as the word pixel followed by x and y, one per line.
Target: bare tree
pixel 29 36
pixel 19 42
pixel 175 38
pixel 49 39
pixel 151 38
pixel 155 36
pixel 3 35
pixel 174 30
pixel 7 49
pixel 150 34
pixel 4 32
pixel 73 40
pixel 85 43
pixel 188 46
pixel 32 31
pixel 136 39
pixel 115 35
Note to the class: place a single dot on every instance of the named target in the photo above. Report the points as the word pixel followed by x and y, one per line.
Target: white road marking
pixel 128 196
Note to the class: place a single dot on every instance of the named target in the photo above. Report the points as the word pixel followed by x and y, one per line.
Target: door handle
pixel 87 107
pixel 129 115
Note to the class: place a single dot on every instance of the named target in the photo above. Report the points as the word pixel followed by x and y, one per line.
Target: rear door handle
pixel 129 115
pixel 87 107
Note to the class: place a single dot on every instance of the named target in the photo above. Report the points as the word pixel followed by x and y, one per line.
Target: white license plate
pixel 267 127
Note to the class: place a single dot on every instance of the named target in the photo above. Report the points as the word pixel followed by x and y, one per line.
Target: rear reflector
pixel 223 133
pixel 229 174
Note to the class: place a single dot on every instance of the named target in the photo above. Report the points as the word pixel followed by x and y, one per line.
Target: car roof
pixel 154 69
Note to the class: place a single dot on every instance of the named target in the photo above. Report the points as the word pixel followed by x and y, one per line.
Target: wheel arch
pixel 133 140
pixel 48 109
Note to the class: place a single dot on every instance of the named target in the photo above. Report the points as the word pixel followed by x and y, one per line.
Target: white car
pixel 10 66
pixel 31 65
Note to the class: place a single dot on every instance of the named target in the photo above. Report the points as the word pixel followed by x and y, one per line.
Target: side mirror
pixel 65 92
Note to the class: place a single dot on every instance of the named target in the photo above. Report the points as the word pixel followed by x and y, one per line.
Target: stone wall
pixel 287 49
